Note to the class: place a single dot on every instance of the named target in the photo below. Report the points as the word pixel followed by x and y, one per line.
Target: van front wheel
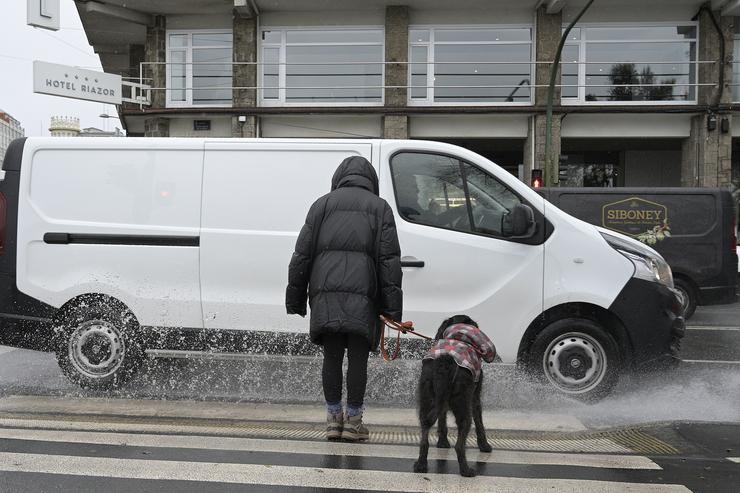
pixel 97 345
pixel 577 357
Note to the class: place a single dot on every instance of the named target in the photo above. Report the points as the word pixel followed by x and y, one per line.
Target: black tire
pixel 583 344
pixel 688 291
pixel 97 343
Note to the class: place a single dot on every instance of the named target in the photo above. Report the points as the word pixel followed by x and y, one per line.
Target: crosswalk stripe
pixel 734 459
pixel 327 448
pixel 306 476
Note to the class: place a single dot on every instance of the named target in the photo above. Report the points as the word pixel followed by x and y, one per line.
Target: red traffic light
pixel 536 178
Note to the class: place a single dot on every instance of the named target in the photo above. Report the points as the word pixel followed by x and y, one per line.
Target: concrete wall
pixel 183 127
pixel 468 126
pixel 626 125
pixel 321 126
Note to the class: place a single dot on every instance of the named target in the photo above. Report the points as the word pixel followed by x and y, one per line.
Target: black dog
pixel 444 385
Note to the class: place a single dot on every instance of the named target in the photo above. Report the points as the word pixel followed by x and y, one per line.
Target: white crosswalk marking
pixel 325 448
pixel 734 459
pixel 306 476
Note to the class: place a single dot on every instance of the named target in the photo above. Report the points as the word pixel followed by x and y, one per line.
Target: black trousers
pixel 358 351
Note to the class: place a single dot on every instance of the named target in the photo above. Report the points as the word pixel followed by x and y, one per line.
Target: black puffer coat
pixel 347 258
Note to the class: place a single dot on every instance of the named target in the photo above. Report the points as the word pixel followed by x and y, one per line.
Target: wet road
pixel 694 412
pixel 64 445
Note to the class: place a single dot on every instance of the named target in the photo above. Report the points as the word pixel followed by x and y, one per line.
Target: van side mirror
pixel 519 222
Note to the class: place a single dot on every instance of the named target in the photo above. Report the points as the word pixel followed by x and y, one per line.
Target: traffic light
pixel 536 178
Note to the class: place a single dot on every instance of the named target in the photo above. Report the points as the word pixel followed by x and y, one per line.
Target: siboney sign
pixel 76 83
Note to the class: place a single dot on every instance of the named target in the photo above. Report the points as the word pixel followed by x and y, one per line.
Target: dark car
pixel 692 228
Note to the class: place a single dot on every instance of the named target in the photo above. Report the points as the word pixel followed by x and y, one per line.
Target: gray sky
pixel 20 44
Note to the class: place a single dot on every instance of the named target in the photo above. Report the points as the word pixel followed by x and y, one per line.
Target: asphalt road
pixel 694 412
pixel 180 450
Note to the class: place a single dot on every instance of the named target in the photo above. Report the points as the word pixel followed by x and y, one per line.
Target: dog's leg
pixel 427 413
pixel 426 421
pixel 480 431
pixel 442 441
pixel 461 410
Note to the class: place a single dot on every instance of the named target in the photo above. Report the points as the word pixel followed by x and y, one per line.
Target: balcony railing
pixel 599 82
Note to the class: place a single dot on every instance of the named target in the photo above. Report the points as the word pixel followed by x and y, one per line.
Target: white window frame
pixel 281 101
pixel 188 103
pixel 583 41
pixel 429 101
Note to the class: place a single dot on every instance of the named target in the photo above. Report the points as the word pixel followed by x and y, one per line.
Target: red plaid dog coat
pixel 467 344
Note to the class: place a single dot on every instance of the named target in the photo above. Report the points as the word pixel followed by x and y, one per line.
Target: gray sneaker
pixel 354 430
pixel 334 426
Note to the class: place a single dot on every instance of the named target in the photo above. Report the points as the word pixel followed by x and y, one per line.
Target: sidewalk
pixel 182 410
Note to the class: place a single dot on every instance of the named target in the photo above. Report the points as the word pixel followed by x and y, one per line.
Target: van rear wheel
pixel 688 296
pixel 577 357
pixel 97 343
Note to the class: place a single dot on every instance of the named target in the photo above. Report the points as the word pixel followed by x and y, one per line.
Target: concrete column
pixel 157 127
pixel 245 50
pixel 244 129
pixel 707 154
pixel 534 146
pixel 155 50
pixel 395 127
pixel 396 50
pixel 396 70
pixel 244 75
pixel 547 35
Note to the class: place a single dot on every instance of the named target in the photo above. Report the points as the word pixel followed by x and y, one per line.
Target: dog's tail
pixel 444 373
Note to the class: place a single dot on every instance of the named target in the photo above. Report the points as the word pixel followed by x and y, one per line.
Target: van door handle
pixel 411 262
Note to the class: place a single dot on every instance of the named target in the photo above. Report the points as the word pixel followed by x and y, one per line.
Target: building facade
pixel 10 129
pixel 64 126
pixel 646 94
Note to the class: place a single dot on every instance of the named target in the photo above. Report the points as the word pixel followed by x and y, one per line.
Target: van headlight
pixel 649 266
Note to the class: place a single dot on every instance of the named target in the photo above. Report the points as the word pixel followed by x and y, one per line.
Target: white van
pixel 119 245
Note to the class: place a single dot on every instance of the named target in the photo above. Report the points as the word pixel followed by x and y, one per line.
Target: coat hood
pixel 355 171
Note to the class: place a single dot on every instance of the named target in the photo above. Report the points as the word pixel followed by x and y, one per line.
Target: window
pixel 199 69
pixel 630 64
pixel 342 66
pixel 470 65
pixel 736 65
pixel 444 192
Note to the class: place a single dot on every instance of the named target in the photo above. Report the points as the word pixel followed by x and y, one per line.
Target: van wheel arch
pixel 102 321
pixel 685 283
pixel 588 311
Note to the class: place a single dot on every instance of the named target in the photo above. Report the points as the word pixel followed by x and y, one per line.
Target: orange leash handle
pixel 400 327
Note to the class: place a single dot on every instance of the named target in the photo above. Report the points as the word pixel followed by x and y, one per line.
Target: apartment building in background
pixel 10 129
pixel 646 94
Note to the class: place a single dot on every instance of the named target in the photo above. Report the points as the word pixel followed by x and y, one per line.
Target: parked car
pixel 110 242
pixel 692 228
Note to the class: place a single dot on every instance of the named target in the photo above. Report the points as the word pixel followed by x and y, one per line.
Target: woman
pixel 347 263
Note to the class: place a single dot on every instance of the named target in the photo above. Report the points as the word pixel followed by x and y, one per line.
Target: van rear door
pixel 255 199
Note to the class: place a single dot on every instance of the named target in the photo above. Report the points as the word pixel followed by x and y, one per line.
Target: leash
pixel 401 328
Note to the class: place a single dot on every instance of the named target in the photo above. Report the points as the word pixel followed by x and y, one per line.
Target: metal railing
pixel 142 92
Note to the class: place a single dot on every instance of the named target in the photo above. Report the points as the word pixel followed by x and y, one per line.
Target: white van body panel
pixel 245 200
pixel 255 199
pixel 496 282
pixel 112 186
pixel 580 265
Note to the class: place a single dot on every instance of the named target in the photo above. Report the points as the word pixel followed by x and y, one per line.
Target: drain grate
pixel 620 441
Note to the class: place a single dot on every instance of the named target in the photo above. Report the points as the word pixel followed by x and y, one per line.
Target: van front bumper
pixel 651 314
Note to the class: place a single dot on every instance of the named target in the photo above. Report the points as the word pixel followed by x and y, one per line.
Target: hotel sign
pixel 76 83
